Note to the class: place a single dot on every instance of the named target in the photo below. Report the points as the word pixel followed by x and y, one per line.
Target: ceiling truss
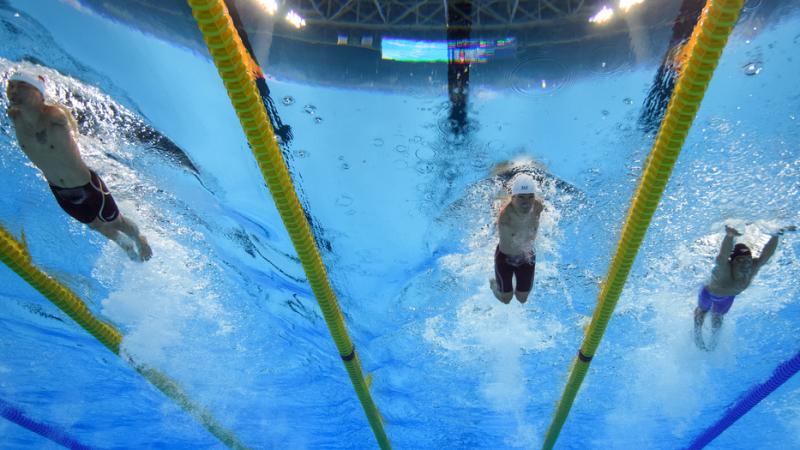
pixel 432 14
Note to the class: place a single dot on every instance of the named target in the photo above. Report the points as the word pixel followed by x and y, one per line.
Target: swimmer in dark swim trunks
pixel 88 202
pixel 517 224
pixel 734 270
pixel 44 133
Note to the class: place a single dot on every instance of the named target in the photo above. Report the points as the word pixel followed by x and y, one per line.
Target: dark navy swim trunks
pixel 88 202
pixel 506 267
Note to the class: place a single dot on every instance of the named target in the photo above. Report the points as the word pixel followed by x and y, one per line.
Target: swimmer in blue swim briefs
pixel 45 134
pixel 734 270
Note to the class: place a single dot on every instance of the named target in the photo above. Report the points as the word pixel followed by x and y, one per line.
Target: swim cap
pixel 523 184
pixel 31 78
pixel 739 250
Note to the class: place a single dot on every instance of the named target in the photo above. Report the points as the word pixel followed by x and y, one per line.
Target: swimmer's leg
pixel 504 297
pixel 525 274
pixel 116 228
pixel 112 234
pixel 502 283
pixel 127 226
pixel 699 318
pixel 716 324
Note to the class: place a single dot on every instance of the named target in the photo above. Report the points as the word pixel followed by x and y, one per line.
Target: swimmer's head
pixel 741 260
pixel 523 184
pixel 522 195
pixel 26 79
pixel 741 252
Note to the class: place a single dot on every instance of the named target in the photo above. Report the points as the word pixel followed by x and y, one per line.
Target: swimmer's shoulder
pixel 55 116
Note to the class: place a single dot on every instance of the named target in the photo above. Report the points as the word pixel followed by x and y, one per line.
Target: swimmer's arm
pixel 766 253
pixel 56 117
pixel 59 125
pixel 727 246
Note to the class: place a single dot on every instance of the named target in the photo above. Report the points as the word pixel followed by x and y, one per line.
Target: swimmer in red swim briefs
pixel 44 132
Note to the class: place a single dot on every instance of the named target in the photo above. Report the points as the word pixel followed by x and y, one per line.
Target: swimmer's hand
pixel 780 232
pixel 730 231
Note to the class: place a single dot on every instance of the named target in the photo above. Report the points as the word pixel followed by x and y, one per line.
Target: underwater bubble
pixel 310 109
pixel 495 146
pixel 416 140
pixel 344 201
pixel 400 164
pixel 401 149
pixel 288 100
pixel 344 166
pixel 451 173
pixel 341 157
pixel 627 101
pixel 424 167
pixel 317 120
pixel 753 68
pixel 605 112
pixel 425 153
pixel 377 142
pixel 538 76
pixel 302 153
pixel 480 163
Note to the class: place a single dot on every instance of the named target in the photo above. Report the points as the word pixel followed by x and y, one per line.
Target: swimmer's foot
pixel 127 247
pixel 145 252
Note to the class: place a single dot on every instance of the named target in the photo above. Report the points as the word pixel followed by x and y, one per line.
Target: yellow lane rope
pixel 228 53
pixel 704 49
pixel 16 257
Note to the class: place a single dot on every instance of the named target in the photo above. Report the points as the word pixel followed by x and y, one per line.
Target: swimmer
pixel 515 257
pixel 735 268
pixel 44 132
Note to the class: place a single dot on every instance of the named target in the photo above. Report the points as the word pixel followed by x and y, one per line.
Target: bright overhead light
pixel 271 6
pixel 295 19
pixel 603 16
pixel 626 5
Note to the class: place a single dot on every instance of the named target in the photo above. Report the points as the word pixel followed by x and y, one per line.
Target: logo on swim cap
pixel 523 184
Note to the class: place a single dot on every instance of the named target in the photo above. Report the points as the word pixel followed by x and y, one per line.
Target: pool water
pixel 404 216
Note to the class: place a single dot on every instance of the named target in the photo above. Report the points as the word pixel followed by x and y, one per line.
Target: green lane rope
pixel 16 257
pixel 703 49
pixel 236 69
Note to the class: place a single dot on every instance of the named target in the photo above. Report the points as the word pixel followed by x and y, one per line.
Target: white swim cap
pixel 523 184
pixel 29 77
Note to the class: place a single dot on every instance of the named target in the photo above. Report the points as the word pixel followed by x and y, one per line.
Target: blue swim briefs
pixel 717 305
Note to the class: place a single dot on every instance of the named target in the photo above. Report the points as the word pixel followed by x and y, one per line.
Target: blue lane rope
pixel 48 431
pixel 782 373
